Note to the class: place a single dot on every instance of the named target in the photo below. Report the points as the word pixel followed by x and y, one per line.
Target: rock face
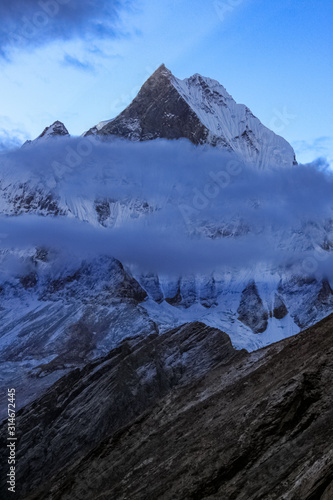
pixel 254 427
pixel 88 405
pixel 251 310
pixel 201 110
pixel 157 111
pixel 56 129
pixel 280 310
pixel 24 197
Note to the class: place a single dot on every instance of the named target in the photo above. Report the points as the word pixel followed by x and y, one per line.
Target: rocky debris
pixel 127 286
pixel 172 292
pixel 280 310
pixel 251 310
pixel 257 428
pixel 325 294
pixel 184 292
pixel 176 300
pixel 42 255
pixel 188 291
pixel 88 405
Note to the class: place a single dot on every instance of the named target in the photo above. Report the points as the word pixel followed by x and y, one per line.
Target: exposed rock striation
pixel 256 428
pixel 251 310
pixel 86 406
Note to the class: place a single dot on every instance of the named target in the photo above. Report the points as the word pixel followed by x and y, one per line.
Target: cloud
pixel 76 63
pixel 145 248
pixel 12 135
pixel 8 141
pixel 26 23
pixel 11 139
pixel 319 149
pixel 208 210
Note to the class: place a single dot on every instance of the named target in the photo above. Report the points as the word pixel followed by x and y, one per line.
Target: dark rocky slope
pixel 86 406
pixel 158 111
pixel 258 428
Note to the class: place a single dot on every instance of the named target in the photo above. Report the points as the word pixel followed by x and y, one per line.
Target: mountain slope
pixel 58 317
pixel 252 427
pixel 152 234
pixel 201 110
pixel 89 404
pixel 124 190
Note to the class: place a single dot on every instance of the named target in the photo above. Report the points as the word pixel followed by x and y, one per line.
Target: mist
pixel 209 209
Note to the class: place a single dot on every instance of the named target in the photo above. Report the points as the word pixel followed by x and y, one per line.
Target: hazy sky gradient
pixel 83 62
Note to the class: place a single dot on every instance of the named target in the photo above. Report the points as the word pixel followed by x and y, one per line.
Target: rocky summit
pixel 185 416
pixel 201 110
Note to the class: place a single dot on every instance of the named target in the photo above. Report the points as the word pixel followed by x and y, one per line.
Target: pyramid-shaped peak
pixel 162 70
pixel 161 74
pixel 201 110
pixel 56 129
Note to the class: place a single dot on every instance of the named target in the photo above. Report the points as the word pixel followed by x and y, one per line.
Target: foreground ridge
pixel 239 425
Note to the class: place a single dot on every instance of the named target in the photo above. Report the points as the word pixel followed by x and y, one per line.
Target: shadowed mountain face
pixel 238 426
pixel 201 110
pixel 158 111
pixel 88 405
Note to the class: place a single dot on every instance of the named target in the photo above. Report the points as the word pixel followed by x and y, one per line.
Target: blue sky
pixel 83 61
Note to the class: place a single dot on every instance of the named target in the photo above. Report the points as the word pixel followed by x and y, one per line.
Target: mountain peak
pixel 56 129
pixel 162 69
pixel 201 110
pixel 161 76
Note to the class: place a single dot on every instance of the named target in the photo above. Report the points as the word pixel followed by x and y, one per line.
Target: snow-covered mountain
pixel 201 110
pixel 57 129
pixel 124 232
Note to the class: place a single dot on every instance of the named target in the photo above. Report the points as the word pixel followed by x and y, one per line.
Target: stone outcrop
pixel 280 310
pixel 251 310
